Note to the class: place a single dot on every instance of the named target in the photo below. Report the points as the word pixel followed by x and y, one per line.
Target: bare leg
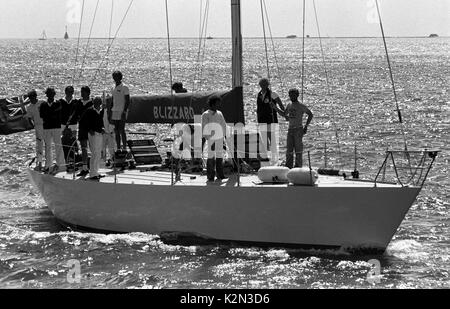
pixel 290 149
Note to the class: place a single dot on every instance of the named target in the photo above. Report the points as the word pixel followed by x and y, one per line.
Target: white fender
pixel 302 177
pixel 273 174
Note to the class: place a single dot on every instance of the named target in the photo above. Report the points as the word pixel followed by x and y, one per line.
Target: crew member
pixel 294 113
pixel 34 116
pixel 78 116
pixel 119 109
pixel 94 126
pixel 50 112
pixel 214 130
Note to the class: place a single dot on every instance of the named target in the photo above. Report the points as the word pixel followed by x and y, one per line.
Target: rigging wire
pixel 321 48
pixel 200 38
pixel 303 52
pixel 169 48
pixel 266 51
pixel 201 41
pixel 265 39
pixel 200 27
pixel 399 114
pixel 202 60
pixel 86 49
pixel 280 76
pixel 78 43
pixel 327 78
pixel 171 83
pixel 109 40
pixel 203 26
pixel 112 42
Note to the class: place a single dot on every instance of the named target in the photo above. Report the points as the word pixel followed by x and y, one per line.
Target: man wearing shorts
pixel 119 109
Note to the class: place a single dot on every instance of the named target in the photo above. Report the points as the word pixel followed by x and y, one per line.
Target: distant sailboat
pixel 66 35
pixel 44 36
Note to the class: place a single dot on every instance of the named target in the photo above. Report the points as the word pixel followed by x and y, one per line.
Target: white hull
pixel 347 216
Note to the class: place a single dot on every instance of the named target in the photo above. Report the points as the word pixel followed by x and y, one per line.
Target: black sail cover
pixel 177 108
pixel 181 108
pixel 12 118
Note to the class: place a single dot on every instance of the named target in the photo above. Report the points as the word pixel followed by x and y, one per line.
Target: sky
pixel 146 18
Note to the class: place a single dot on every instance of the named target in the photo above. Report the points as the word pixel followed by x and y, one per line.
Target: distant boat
pixel 66 35
pixel 433 35
pixel 44 36
pixel 292 36
pixel 209 38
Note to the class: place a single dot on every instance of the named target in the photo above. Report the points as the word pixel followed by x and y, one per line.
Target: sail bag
pixel 181 108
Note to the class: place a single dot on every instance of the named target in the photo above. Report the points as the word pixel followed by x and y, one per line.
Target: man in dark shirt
pixel 266 114
pixel 69 134
pixel 67 107
pixel 50 112
pixel 78 116
pixel 94 126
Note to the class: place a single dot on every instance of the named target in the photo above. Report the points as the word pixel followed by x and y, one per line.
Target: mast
pixel 236 42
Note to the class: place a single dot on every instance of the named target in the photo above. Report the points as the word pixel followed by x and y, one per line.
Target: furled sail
pixel 12 118
pixel 181 108
pixel 177 108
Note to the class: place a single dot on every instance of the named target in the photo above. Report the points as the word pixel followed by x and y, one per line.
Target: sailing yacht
pixel 66 35
pixel 336 211
pixel 44 36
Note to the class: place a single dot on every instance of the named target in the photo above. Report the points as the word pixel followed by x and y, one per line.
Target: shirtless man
pixel 294 113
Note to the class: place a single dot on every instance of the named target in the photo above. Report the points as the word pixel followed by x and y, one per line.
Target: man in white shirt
pixel 214 131
pixel 34 116
pixel 119 109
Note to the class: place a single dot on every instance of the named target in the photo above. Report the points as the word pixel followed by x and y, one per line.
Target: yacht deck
pixel 164 178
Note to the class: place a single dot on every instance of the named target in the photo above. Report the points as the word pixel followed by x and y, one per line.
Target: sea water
pixel 36 252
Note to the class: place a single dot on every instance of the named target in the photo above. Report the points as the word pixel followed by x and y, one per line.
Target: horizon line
pixel 220 38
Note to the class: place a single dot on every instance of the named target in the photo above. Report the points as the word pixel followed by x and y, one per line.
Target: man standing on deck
pixel 214 130
pixel 94 122
pixel 34 116
pixel 109 143
pixel 294 113
pixel 67 107
pixel 266 113
pixel 78 116
pixel 50 112
pixel 119 109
